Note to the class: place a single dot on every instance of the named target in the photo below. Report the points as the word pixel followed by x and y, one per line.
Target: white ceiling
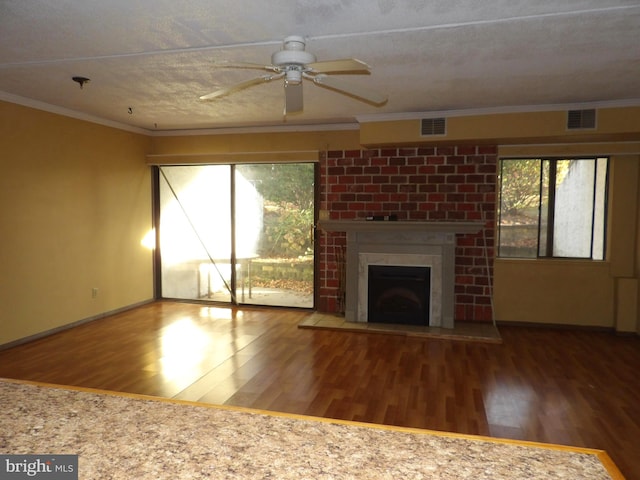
pixel 155 56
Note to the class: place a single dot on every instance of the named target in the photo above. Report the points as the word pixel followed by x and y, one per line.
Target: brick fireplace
pixel 428 185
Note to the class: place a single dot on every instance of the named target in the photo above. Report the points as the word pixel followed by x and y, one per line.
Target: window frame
pixel 548 232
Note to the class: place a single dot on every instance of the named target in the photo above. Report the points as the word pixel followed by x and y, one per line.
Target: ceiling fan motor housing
pixel 292 59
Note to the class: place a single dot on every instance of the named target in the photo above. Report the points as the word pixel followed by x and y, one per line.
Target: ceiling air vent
pixel 433 126
pixel 577 119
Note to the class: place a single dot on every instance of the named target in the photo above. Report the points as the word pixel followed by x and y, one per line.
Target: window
pixel 551 207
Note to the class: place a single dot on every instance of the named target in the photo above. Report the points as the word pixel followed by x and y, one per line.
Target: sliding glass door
pixel 195 232
pixel 237 233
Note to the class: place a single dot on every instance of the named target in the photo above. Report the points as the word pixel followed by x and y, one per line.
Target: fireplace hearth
pixel 399 294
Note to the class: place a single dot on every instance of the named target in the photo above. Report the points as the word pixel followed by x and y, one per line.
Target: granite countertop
pixel 120 436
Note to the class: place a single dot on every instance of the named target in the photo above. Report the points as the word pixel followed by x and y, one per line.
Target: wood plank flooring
pixel 567 387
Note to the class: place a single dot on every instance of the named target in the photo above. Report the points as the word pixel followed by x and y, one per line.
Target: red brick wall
pixel 416 184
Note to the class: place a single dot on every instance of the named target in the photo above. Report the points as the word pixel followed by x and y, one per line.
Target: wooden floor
pixel 565 387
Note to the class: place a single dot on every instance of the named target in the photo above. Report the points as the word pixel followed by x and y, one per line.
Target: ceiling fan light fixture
pixel 294 76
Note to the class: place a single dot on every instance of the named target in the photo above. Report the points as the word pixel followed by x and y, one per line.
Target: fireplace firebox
pixel 399 294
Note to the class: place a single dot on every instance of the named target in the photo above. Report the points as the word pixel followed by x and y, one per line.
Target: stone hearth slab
pixel 467 331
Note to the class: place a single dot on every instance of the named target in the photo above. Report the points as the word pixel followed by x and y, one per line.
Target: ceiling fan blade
pixel 349 88
pixel 256 66
pixel 239 86
pixel 292 97
pixel 346 65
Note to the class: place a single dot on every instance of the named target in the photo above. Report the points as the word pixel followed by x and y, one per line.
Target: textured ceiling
pixel 156 57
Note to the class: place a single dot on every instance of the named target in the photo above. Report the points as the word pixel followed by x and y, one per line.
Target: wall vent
pixel 578 119
pixel 433 126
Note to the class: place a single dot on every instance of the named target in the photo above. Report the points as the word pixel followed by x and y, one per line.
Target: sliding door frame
pixel 157 255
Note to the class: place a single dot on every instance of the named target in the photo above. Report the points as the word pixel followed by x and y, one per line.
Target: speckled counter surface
pixel 127 437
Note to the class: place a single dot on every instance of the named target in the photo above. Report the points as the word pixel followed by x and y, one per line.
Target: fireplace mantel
pixel 399 226
pixel 407 243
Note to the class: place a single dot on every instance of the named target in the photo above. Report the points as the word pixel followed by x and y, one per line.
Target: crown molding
pixel 338 126
pixel 320 127
pixel 66 112
pixel 388 117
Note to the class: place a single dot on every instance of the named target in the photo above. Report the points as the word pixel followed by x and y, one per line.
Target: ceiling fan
pixel 293 64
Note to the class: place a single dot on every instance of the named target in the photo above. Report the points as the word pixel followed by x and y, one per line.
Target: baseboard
pixel 559 326
pixel 46 333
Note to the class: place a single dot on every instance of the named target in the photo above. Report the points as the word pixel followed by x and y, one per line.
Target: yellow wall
pixel 554 292
pixel 585 293
pixel 544 127
pixel 290 146
pixel 75 201
pixel 594 294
